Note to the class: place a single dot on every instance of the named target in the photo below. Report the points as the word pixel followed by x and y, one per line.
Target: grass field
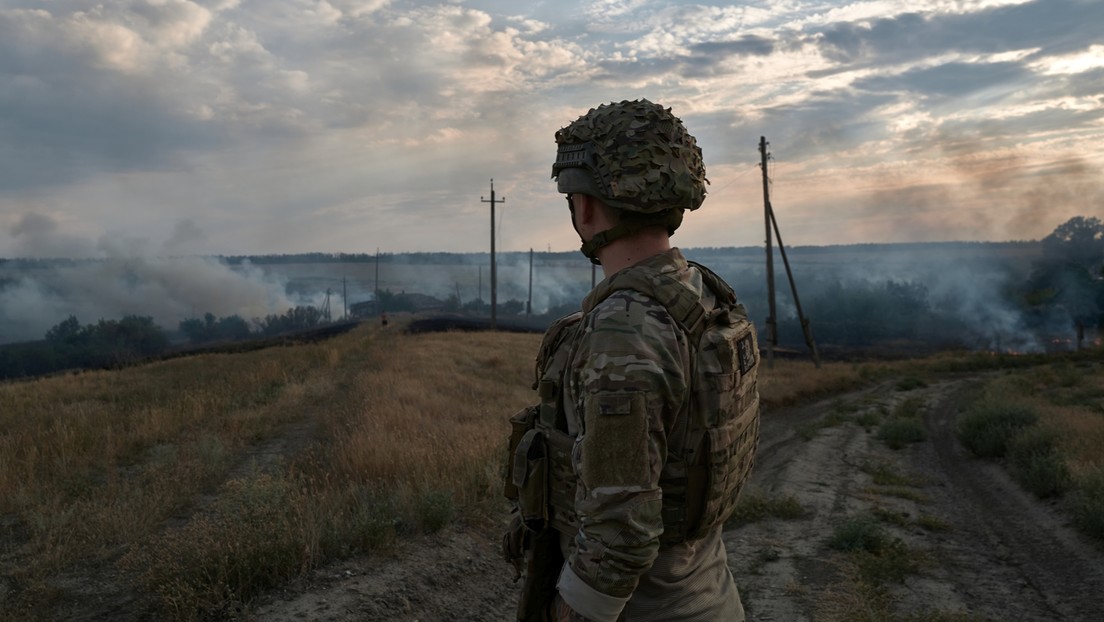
pixel 198 483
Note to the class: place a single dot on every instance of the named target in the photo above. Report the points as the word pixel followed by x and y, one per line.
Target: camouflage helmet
pixel 640 157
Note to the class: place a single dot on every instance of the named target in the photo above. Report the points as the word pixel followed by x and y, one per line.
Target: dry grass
pixel 791 381
pixel 288 456
pixel 208 479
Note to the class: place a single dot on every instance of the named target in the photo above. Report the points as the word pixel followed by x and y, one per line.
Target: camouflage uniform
pixel 649 412
pixel 626 398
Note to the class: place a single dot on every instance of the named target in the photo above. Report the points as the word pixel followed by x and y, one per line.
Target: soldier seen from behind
pixel 625 472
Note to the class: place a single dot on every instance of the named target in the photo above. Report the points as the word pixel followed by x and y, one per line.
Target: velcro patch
pixel 745 350
pixel 614 450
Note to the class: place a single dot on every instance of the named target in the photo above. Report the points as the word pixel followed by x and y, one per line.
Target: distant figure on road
pixel 624 474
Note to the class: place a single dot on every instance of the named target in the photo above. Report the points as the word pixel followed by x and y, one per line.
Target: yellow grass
pixel 211 478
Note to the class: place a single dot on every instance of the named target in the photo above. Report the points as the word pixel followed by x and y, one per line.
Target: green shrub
pixel 909 383
pixel 869 419
pixel 893 561
pixel 861 533
pixel 932 523
pixel 900 432
pixel 1087 505
pixel 885 474
pixel 435 510
pixel 755 506
pixel 988 429
pixel 1037 463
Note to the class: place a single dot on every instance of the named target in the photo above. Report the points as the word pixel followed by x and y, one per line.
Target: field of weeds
pixel 186 488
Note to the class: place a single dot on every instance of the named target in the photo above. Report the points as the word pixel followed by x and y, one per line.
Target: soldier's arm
pixel 631 379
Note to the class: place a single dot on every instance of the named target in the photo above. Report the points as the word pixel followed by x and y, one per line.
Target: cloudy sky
pixel 276 126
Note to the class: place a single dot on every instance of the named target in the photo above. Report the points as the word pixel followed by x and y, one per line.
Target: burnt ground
pixel 984 549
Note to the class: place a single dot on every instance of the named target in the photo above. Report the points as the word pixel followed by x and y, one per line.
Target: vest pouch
pixel 521 422
pixel 731 453
pixel 530 477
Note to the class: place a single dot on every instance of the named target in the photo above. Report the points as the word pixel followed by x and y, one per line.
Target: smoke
pixel 167 289
pixel 968 294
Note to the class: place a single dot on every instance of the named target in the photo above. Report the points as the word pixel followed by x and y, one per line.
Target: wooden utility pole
pixel 772 326
pixel 494 281
pixel 529 303
pixel 376 302
pixel 773 232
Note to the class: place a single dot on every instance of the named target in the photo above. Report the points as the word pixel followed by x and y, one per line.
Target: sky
pixel 175 127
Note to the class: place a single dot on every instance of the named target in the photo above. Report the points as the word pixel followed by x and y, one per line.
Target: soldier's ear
pixel 590 210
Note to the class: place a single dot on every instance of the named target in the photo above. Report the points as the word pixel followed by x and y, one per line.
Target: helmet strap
pixel 671 219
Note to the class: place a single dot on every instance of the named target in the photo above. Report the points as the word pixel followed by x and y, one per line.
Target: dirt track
pixel 999 554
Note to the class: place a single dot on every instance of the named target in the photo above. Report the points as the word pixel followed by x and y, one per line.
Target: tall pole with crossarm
pixel 494 280
pixel 772 224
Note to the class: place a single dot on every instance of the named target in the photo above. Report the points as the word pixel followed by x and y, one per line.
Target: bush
pixel 1087 505
pixel 987 430
pixel 755 506
pixel 900 432
pixel 862 533
pixel 909 383
pixel 435 510
pixel 1037 463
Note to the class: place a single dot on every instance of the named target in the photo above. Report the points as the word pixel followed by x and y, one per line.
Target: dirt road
pixel 981 549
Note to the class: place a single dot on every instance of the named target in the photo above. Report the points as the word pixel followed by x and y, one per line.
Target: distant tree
pixel 1070 277
pixel 66 331
pixel 389 301
pixel 478 305
pixel 298 318
pixel 230 328
pixel 451 304
pixel 1079 240
pixel 511 307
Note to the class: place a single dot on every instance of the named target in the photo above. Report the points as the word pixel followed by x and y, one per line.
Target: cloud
pixel 1052 26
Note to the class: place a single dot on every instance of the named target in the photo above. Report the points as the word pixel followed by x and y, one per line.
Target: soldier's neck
pixel 633 249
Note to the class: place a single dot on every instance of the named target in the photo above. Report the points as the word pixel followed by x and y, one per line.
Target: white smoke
pixel 167 289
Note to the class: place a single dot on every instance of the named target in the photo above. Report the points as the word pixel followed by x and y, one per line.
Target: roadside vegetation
pixel 1046 425
pixel 188 487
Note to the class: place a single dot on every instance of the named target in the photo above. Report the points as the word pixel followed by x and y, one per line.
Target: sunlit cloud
pixel 343 125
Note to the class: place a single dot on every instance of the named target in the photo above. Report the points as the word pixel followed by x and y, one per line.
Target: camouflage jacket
pixel 626 396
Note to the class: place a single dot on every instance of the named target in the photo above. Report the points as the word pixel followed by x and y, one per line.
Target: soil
pixel 987 550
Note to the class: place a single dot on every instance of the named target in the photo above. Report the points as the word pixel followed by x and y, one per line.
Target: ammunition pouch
pixel 530 478
pixel 521 422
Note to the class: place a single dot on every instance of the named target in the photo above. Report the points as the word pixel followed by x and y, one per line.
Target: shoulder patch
pixel 745 349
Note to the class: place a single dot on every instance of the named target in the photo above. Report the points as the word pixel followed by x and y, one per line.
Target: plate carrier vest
pixel 711 447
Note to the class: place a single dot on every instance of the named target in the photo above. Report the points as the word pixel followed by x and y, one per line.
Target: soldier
pixel 648 419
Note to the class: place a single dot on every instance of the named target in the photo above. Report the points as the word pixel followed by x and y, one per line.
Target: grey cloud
pixel 1085 84
pixel 704 60
pixel 63 118
pixel 747 45
pixel 948 80
pixel 826 121
pixel 1055 26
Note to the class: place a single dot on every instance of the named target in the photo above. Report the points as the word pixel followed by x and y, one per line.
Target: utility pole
pixel 772 227
pixel 529 303
pixel 772 327
pixel 494 281
pixel 376 302
pixel 344 299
